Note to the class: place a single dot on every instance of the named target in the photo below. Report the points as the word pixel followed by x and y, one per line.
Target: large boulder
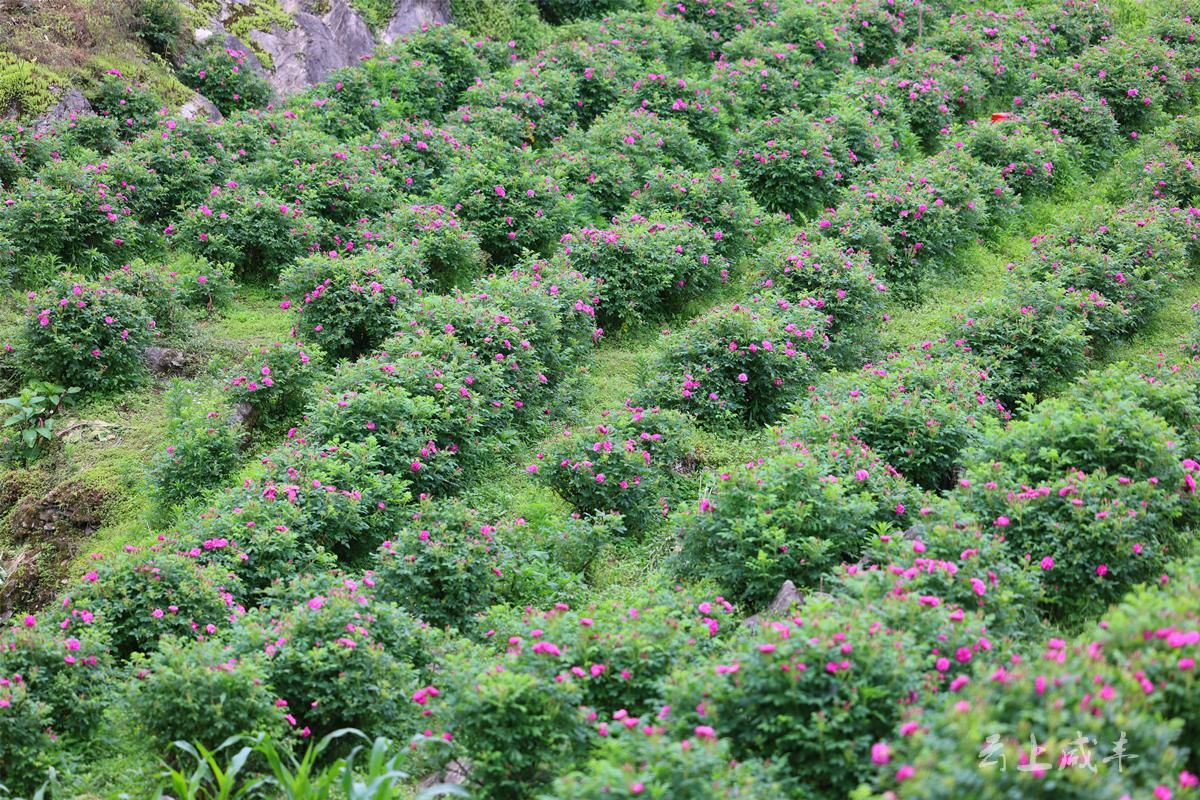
pixel 69 105
pixel 411 15
pixel 315 47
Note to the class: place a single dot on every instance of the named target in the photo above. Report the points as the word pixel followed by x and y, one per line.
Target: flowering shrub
pixel 516 730
pixel 1136 79
pixel 78 334
pixel 835 279
pixel 791 515
pixel 1081 115
pixel 1031 159
pixel 69 672
pixel 930 210
pixel 1095 534
pixel 438 246
pixel 25 746
pixel 306 503
pixel 76 215
pixel 424 410
pixel 509 204
pixel 441 564
pixel 274 383
pixel 618 649
pixel 137 598
pixel 635 761
pixel 716 201
pixel 257 233
pixel 644 266
pixel 347 305
pixel 203 451
pixel 624 463
pixel 816 692
pixel 918 413
pixel 791 163
pixel 320 651
pixel 1028 338
pixel 222 75
pixel 969 568
pixel 623 146
pixel 200 692
pixel 1098 519
pixel 1098 700
pixel 1168 174
pixel 741 363
pixel 132 105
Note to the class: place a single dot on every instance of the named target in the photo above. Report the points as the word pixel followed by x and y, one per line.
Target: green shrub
pixel 25 744
pixel 426 409
pixel 919 413
pixel 222 75
pixel 137 598
pixel 132 105
pixel 1138 80
pixel 87 336
pixel 835 279
pixel 321 652
pixel 620 647
pixel 645 762
pixel 517 730
pixel 815 692
pixel 1080 115
pixel 70 672
pixel 159 25
pixel 203 451
pixel 645 267
pixel 716 201
pixel 256 233
pixel 1032 159
pixel 792 515
pixel 1028 338
pixel 441 564
pixel 512 207
pixel 623 463
pixel 200 692
pixel 1093 703
pixel 791 163
pixel 739 364
pixel 347 305
pixel 274 383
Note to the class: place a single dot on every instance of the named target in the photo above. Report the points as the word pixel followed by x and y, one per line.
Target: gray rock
pixel 168 361
pixel 252 59
pixel 69 104
pixel 315 47
pixel 411 15
pixel 200 107
pixel 785 598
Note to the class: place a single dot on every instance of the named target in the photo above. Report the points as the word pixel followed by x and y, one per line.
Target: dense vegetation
pixel 483 398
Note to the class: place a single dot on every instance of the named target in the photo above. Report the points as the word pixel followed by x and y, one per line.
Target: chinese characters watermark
pixel 1080 753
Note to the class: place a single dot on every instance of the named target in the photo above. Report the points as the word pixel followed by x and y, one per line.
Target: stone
pixel 169 362
pixel 316 47
pixel 200 107
pixel 412 15
pixel 69 105
pixel 785 598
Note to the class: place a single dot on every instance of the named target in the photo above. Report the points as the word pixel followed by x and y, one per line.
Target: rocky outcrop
pixel 200 107
pixel 315 47
pixel 411 15
pixel 69 105
pixel 325 36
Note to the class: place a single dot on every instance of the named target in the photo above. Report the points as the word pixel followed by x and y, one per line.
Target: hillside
pixel 576 400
